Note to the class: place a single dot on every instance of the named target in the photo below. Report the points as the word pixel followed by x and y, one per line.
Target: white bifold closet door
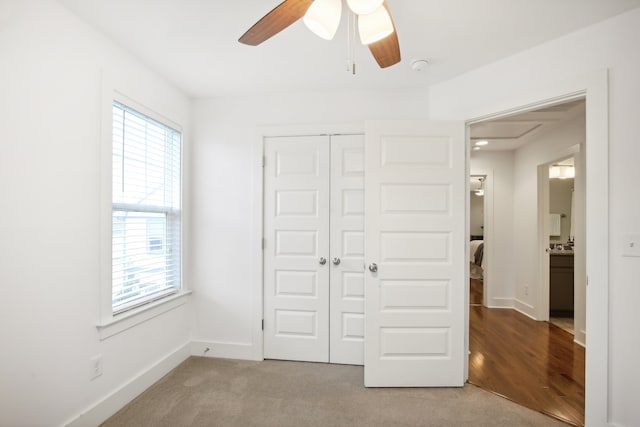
pixel 314 248
pixel 347 248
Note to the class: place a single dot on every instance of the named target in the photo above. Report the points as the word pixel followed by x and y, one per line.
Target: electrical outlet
pixel 95 367
pixel 526 289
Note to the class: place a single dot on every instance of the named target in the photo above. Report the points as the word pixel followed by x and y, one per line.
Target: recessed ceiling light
pixel 480 143
pixel 476 148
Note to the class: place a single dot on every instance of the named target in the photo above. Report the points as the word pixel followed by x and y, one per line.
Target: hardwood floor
pixel 535 364
pixel 476 292
pixel 565 323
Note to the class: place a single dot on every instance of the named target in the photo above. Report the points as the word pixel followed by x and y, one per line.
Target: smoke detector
pixel 419 64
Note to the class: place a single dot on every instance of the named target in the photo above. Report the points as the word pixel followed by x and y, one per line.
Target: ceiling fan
pixel 322 17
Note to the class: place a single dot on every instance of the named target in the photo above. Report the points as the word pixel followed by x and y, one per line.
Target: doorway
pixel 564 228
pixel 477 255
pixel 513 147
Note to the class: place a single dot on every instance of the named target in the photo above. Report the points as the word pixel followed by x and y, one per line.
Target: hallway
pixel 532 363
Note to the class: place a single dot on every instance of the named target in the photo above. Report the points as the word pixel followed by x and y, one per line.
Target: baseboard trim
pixel 579 337
pixel 498 302
pixel 524 308
pixel 225 350
pixel 117 399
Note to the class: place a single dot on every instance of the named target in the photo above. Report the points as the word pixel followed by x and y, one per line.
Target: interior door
pixel 347 250
pixel 415 253
pixel 296 252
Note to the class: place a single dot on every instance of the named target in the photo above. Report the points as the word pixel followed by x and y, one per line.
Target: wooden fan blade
pixel 285 14
pixel 387 51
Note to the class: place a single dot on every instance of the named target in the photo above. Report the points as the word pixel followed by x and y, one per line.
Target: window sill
pixel 141 314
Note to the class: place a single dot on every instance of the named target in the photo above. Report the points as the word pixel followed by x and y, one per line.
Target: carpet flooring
pixel 222 392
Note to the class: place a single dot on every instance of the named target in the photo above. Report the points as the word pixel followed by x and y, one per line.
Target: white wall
pixel 50 110
pixel 543 148
pixel 611 44
pixel 223 169
pixel 499 245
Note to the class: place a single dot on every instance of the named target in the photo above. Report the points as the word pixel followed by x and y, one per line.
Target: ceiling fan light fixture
pixel 323 18
pixel 375 26
pixel 364 7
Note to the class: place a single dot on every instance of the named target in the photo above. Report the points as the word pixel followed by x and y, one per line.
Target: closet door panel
pixel 347 246
pixel 296 232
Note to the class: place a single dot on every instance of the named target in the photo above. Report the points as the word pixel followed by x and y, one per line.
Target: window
pixel 146 209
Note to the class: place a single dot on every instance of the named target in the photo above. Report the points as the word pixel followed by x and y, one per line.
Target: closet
pixel 314 251
pixel 313 248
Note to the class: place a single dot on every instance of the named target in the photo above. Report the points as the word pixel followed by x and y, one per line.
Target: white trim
pixel 598 385
pixel 128 319
pixel 105 407
pixel 595 87
pixel 580 337
pixel 535 101
pixel 543 266
pixel 310 129
pixel 261 133
pixel 105 201
pixel 501 302
pixel 467 255
pixel 125 100
pixel 524 308
pixel 109 324
pixel 257 235
pixel 224 350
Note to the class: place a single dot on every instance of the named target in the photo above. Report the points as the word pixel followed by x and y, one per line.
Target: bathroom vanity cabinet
pixel 561 284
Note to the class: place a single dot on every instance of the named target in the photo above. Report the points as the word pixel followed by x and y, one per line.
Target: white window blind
pixel 146 212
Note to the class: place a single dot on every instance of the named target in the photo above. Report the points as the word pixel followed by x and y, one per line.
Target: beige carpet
pixel 222 392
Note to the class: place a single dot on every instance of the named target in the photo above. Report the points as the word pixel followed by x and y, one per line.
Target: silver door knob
pixel 373 267
pixel 322 261
pixel 336 261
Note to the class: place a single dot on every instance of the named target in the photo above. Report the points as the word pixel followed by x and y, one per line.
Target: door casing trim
pixel 594 87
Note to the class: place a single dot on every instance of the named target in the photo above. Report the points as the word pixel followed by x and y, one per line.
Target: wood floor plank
pixel 533 363
pixel 476 292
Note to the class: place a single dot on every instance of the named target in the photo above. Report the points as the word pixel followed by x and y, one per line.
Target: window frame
pixel 126 209
pixel 110 324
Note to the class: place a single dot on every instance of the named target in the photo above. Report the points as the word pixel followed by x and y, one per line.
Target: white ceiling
pixel 193 43
pixel 512 132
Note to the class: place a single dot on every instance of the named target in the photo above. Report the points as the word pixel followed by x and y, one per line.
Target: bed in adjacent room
pixel 476 259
